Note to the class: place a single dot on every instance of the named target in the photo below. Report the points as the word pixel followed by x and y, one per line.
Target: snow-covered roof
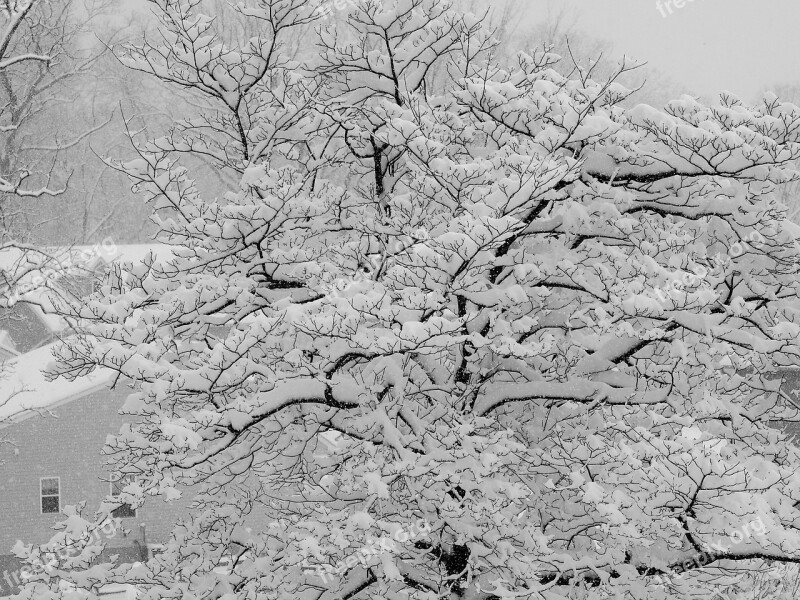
pixel 24 389
pixel 13 256
pixel 46 264
pixel 14 259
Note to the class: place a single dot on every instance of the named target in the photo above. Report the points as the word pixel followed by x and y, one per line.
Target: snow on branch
pixel 549 325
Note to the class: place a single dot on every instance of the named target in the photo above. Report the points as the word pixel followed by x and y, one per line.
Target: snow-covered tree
pixel 45 62
pixel 530 351
pixel 789 194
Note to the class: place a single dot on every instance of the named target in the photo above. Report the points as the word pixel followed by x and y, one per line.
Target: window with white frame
pixel 50 494
pixel 117 485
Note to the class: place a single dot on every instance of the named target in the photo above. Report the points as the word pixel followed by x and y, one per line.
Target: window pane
pixel 119 485
pixel 50 487
pixel 123 512
pixel 49 504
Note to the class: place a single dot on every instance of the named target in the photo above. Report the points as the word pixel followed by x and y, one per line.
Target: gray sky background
pixel 707 46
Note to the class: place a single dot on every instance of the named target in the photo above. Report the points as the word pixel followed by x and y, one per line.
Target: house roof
pixel 31 265
pixel 13 257
pixel 24 390
pixel 31 269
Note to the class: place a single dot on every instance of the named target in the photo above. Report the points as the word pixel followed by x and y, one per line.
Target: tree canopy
pixel 465 329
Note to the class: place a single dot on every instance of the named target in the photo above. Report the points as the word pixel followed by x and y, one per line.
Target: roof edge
pixel 34 412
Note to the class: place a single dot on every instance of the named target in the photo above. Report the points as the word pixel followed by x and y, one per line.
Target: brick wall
pixel 69 447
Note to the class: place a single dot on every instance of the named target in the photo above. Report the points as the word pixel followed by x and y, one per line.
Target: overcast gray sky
pixel 707 45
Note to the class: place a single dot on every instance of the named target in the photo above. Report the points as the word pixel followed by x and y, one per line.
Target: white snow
pixel 24 389
pixel 32 271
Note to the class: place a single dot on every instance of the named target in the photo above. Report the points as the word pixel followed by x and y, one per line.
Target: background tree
pixel 507 361
pixel 48 73
pixel 788 193
pixel 45 57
